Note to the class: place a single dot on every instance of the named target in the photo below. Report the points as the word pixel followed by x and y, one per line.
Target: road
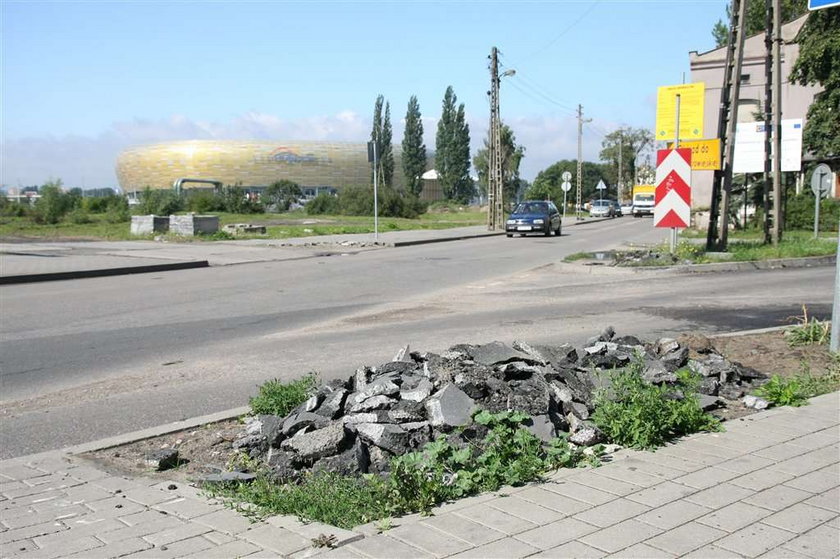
pixel 81 360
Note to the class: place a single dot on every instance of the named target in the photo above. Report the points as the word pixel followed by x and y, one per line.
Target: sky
pixel 83 80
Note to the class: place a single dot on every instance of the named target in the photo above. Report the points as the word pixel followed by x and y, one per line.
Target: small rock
pixel 379 402
pixel 227 477
pixel 163 459
pixel 419 393
pixel 708 402
pixel 756 403
pixel 587 435
pixel 449 407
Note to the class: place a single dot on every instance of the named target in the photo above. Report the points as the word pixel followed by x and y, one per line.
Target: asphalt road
pixel 81 360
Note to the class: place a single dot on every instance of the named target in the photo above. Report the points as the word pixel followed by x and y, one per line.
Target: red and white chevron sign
pixel 673 188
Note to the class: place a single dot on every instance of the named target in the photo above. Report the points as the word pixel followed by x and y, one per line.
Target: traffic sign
pixel 601 185
pixel 821 181
pixel 673 188
pixel 692 96
pixel 566 176
pixel 705 154
pixel 566 186
pixel 820 4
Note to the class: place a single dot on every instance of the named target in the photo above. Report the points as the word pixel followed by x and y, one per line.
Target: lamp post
pixel 495 190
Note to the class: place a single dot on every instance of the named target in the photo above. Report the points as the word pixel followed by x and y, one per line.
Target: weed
pixel 644 416
pixel 795 390
pixel 278 398
pixel 808 331
pixel 384 524
pixel 324 540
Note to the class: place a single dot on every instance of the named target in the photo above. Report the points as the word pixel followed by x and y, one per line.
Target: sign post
pixel 820 186
pixel 372 159
pixel 601 188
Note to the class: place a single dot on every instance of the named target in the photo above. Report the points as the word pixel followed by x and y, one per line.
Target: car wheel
pixel 509 235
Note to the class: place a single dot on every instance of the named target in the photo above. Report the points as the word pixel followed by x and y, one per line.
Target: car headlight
pixel 538 222
pixel 511 222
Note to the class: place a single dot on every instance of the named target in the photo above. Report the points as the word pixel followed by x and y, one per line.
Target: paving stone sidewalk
pixel 767 487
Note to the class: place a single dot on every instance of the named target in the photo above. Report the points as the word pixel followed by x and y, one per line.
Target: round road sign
pixel 566 176
pixel 566 186
pixel 821 180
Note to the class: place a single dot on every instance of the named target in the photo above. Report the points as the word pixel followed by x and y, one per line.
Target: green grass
pixel 279 398
pixel 296 224
pixel 508 455
pixel 795 390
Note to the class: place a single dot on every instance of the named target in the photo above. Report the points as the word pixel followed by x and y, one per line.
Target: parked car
pixel 616 208
pixel 534 216
pixel 601 208
pixel 627 208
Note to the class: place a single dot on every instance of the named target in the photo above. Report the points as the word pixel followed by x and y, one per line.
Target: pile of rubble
pixel 356 425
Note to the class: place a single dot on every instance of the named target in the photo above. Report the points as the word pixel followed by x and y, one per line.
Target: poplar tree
pixel 452 150
pixel 380 135
pixel 413 148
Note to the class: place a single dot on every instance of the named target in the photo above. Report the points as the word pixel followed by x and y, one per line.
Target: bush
pixel 795 390
pixel 118 211
pixel 12 209
pixel 53 204
pixel 644 416
pixel 278 398
pixel 799 213
pixel 159 202
pixel 79 217
pixel 322 204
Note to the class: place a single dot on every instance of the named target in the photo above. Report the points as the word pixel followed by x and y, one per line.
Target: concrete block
pixel 191 225
pixel 148 224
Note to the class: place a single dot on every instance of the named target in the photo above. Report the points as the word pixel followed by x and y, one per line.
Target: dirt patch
pixel 207 449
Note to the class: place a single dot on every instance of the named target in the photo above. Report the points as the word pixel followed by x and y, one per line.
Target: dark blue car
pixel 534 216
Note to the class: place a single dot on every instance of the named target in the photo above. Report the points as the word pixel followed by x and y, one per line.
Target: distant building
pixel 709 68
pixel 316 166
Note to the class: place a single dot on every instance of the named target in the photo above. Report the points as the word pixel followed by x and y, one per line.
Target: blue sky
pixel 83 80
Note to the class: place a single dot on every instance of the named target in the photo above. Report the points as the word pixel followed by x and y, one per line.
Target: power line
pixel 568 28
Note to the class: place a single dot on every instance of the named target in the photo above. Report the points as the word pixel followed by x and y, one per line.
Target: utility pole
pixel 495 203
pixel 580 161
pixel 620 147
pixel 777 123
pixel 768 115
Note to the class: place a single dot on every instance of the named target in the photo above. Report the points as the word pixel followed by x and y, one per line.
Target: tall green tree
pixel 282 194
pixel 380 135
pixel 413 148
pixel 511 156
pixel 546 185
pixel 624 144
pixel 756 18
pixel 819 63
pixel 452 150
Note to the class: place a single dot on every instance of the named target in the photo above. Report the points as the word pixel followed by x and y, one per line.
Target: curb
pixel 775 264
pixel 102 272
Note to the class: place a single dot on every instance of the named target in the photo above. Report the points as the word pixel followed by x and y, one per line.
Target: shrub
pixel 159 202
pixel 117 211
pixel 799 213
pixel 79 217
pixel 322 204
pixel 53 204
pixel 203 201
pixel 278 398
pixel 12 209
pixel 282 194
pixel 795 390
pixel 644 416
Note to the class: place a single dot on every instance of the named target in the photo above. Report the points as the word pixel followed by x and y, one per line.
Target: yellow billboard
pixel 691 111
pixel 705 154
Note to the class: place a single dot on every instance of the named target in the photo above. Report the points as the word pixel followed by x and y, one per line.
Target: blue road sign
pixel 820 4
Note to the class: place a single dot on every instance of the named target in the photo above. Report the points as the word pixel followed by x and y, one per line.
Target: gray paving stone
pixel 826 437
pixel 708 446
pixel 707 477
pixel 112 484
pixel 147 496
pixel 698 457
pixel 225 551
pixel 581 493
pixel 177 533
pixel 746 464
pixel 507 547
pixel 182 548
pixel 51 462
pixel 621 535
pixel 187 507
pixel 761 479
pixel 225 521
pixel 612 512
pixel 139 530
pixel 661 494
pixel 87 493
pixel 673 514
pixel 66 547
pixel 311 530
pixel 552 500
pixel 829 500
pixel 17 518
pixel 636 477
pixel 435 542
pixel 385 547
pixel 531 512
pixel 686 538
pixel 496 519
pixel 822 541
pixel 755 539
pixel 807 463
pixel 471 532
pixel 29 532
pixel 465 503
pixel 781 452
pixel 815 482
pixel 608 484
pixel 799 518
pixel 19 548
pixel 732 518
pixel 117 549
pixel 150 515
pixel 117 505
pixel 683 464
pixel 556 533
pixel 18 471
pixel 782 553
pixel 80 526
pixel 720 495
pixel 777 497
pixel 641 551
pixel 572 549
pixel 219 538
pixel 86 473
pixel 712 551
pixel 278 540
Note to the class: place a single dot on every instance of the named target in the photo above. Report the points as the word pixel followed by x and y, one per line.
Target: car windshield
pixel 531 208
pixel 602 203
pixel 644 198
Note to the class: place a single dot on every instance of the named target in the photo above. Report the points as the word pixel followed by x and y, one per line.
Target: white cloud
pixel 89 161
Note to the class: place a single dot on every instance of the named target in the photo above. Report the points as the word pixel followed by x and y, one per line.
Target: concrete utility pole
pixel 768 114
pixel 777 123
pixel 495 202
pixel 620 147
pixel 581 120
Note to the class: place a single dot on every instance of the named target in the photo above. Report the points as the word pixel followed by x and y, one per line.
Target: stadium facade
pixel 315 166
